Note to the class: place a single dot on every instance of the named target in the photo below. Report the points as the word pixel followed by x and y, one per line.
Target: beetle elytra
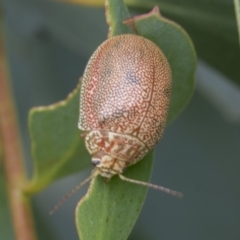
pixel 124 100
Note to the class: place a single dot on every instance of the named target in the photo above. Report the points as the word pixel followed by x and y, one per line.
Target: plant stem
pixel 12 157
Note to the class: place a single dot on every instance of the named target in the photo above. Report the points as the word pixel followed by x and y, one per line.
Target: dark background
pixel 48 45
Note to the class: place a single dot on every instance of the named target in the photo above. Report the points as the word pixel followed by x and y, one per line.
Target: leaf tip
pixel 53 106
pixel 130 22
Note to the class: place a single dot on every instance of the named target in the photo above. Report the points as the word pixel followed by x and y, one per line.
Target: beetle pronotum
pixel 124 99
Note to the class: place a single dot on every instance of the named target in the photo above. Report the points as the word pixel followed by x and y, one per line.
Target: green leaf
pixel 109 210
pixel 116 13
pixel 237 10
pixel 57 148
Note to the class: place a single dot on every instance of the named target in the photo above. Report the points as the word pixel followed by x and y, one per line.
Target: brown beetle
pixel 124 99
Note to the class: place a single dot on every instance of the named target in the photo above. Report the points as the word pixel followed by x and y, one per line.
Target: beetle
pixel 124 99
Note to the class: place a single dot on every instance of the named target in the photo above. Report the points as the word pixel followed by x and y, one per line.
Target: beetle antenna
pixel 74 190
pixel 166 190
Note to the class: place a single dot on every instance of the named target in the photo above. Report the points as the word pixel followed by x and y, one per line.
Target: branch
pixel 12 157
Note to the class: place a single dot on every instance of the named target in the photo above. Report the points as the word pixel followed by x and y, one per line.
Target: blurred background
pixel 48 45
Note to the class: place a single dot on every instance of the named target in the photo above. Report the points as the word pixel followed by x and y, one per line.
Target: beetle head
pixel 107 165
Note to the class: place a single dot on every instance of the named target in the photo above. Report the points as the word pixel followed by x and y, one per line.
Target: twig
pixel 12 157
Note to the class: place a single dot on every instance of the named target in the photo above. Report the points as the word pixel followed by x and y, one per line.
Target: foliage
pixel 110 210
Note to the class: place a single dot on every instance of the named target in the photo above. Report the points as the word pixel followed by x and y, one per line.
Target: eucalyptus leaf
pixel 57 148
pixel 110 210
pixel 116 13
